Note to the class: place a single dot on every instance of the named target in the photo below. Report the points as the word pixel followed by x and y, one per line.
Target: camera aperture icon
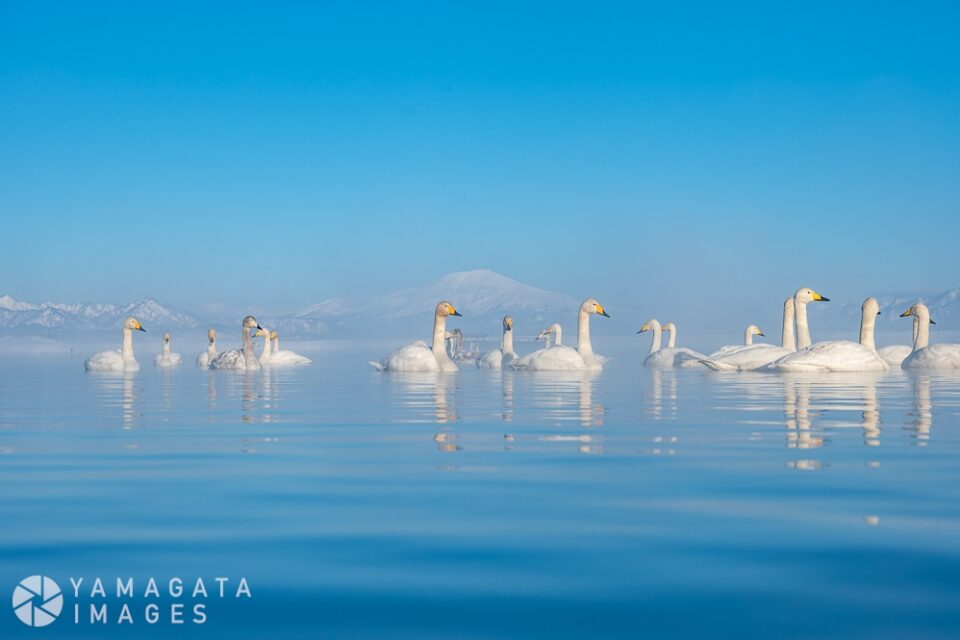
pixel 37 601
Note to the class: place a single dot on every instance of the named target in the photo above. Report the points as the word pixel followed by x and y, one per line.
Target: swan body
pixel 277 357
pixel 562 358
pixel 682 356
pixel 498 358
pixel 924 354
pixel 121 359
pixel 205 357
pixel 165 358
pixel 840 355
pixel 238 359
pixel 756 356
pixel 417 356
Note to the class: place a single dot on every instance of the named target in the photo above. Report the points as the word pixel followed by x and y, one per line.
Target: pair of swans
pixel 840 355
pixel 273 356
pixel 751 357
pixel 924 354
pixel 117 360
pixel 417 356
pixel 499 358
pixel 670 356
pixel 165 358
pixel 563 358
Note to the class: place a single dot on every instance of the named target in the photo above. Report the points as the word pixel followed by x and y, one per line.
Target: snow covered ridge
pixel 27 317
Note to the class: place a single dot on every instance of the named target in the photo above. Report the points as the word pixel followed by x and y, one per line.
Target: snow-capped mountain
pixel 27 318
pixel 482 296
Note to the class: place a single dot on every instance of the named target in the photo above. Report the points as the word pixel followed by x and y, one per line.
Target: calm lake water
pixel 632 503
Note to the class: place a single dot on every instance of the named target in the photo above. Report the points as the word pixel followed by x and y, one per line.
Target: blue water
pixel 631 503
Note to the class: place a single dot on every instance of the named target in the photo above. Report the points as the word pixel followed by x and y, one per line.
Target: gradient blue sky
pixel 248 153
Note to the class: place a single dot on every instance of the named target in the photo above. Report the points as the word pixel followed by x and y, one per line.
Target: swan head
pixel 551 330
pixel 261 333
pixel 507 323
pixel 650 325
pixel 250 323
pixel 754 330
pixel 809 295
pixel 668 327
pixel 592 306
pixel 274 335
pixel 134 324
pixel 919 310
pixel 870 307
pixel 166 338
pixel 212 335
pixel 445 309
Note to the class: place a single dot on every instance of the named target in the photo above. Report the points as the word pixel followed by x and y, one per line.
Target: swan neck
pixel 127 350
pixel 248 353
pixel 803 329
pixel 276 344
pixel 748 337
pixel 557 337
pixel 672 340
pixel 583 334
pixel 788 339
pixel 655 341
pixel 867 322
pixel 212 349
pixel 166 348
pixel 506 345
pixel 923 332
pixel 439 346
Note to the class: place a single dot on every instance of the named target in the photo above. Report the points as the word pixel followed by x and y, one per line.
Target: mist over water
pixel 489 503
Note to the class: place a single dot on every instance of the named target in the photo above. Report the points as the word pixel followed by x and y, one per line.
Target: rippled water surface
pixel 484 504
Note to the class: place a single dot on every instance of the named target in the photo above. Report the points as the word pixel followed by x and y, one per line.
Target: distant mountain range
pixel 483 296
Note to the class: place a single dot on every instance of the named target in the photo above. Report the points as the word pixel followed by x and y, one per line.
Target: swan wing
pixel 412 357
pixel 833 355
pixel 936 356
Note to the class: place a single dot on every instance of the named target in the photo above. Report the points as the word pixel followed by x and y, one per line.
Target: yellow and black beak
pixel 602 311
pixel 139 327
pixel 643 329
pixel 456 313
pixel 762 334
pixel 907 313
pixel 932 322
pixel 819 298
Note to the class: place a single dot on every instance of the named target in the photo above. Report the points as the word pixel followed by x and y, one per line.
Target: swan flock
pixel 796 352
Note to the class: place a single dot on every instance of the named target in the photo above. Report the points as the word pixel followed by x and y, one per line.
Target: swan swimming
pixel 563 358
pixel 417 356
pixel 555 331
pixel 165 358
pixel 895 354
pixel 497 358
pixel 117 360
pixel 664 357
pixel 801 298
pixel 756 356
pixel 245 358
pixel 275 357
pixel 841 355
pixel 924 354
pixel 682 357
pixel 205 357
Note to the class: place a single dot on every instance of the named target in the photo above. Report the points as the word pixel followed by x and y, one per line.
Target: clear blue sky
pixel 236 152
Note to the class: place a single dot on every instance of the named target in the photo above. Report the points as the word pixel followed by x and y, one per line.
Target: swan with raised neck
pixel 749 332
pixel 589 307
pixel 788 338
pixel 652 325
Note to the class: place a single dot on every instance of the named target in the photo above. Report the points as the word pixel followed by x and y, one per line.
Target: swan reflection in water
pixel 119 390
pixel 428 396
pixel 660 398
pixel 922 410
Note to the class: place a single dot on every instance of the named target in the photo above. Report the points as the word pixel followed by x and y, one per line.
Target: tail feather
pixel 379 366
pixel 717 366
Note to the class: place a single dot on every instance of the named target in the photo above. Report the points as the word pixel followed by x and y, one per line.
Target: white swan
pixel 498 358
pixel 563 358
pixel 841 355
pixel 205 357
pixel 682 357
pixel 245 358
pixel 663 357
pixel 555 331
pixel 924 354
pixel 417 356
pixel 165 358
pixel 895 354
pixel 277 357
pixel 756 356
pixel 117 360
